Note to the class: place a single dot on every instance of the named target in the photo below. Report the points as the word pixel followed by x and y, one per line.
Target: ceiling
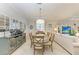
pixel 50 11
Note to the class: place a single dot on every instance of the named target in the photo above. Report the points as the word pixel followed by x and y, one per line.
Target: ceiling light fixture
pixel 40 10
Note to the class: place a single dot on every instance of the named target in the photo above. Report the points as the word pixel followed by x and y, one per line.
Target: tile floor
pixel 26 50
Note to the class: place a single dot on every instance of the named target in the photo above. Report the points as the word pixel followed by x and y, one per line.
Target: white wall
pixel 47 22
pixel 11 12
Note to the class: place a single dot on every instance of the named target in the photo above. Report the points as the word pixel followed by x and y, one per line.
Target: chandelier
pixel 40 11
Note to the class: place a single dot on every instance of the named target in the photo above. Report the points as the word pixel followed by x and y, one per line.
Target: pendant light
pixel 40 11
pixel 40 19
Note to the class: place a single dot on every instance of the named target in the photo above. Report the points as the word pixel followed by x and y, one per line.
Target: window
pixel 40 23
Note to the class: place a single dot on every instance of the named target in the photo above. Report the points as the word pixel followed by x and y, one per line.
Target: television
pixel 66 29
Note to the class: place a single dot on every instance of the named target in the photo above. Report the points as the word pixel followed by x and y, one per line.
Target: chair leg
pixel 31 44
pixel 42 51
pixel 51 48
pixel 43 48
pixel 34 51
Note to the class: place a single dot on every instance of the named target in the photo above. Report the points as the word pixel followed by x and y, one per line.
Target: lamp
pixel 77 34
pixel 55 29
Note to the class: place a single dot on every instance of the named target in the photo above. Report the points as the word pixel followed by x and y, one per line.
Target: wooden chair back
pixel 38 39
pixel 40 32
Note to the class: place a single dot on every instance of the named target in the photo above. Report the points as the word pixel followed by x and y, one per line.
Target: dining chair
pixel 38 45
pixel 40 32
pixel 48 33
pixel 50 42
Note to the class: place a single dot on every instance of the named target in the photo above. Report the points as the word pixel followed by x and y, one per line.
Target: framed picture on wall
pixel 2 20
pixel 31 27
pixel 13 24
pixel 7 23
pixel 14 21
pixel 49 25
pixel 20 25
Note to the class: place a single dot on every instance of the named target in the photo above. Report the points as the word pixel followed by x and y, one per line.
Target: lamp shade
pixel 77 34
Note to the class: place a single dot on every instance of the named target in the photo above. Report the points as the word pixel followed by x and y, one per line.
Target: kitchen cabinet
pixel 9 45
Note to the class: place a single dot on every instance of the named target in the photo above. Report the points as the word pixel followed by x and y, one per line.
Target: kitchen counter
pixel 9 44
